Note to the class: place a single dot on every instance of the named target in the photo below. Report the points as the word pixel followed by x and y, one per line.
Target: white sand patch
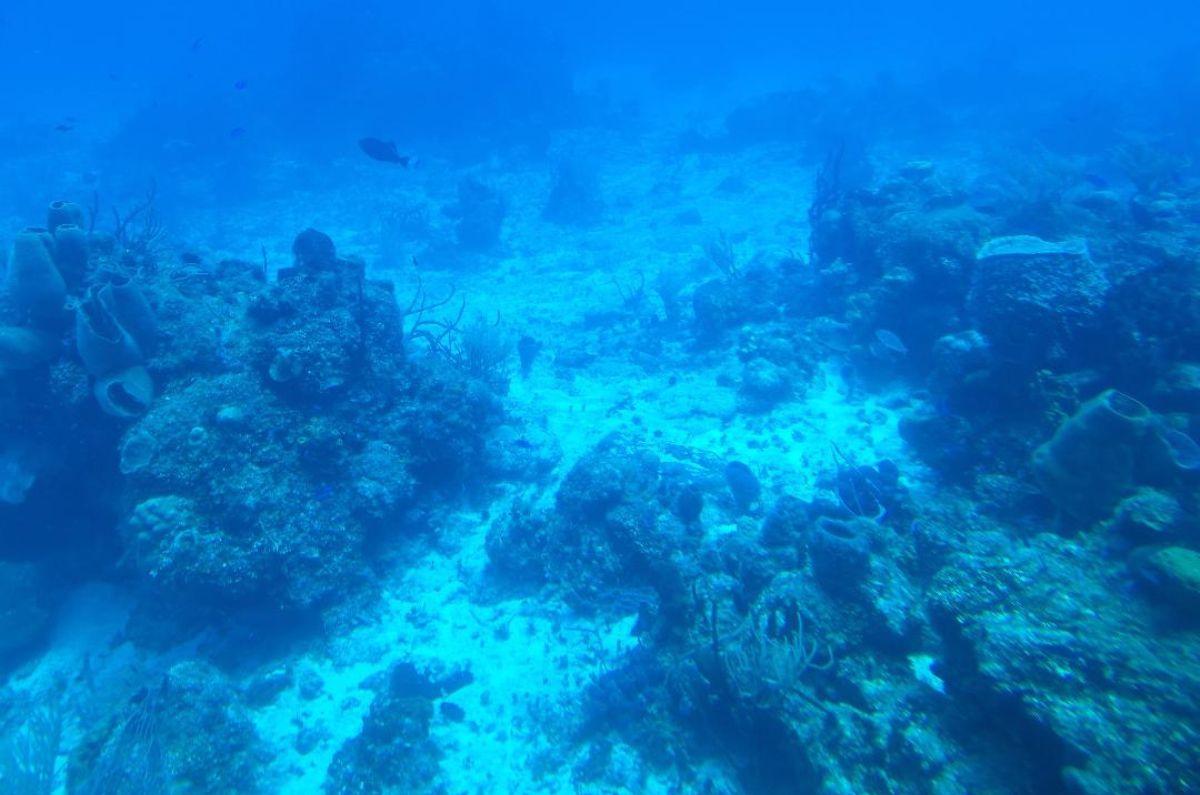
pixel 530 659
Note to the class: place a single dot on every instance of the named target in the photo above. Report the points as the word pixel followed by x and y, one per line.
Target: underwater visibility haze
pixel 630 397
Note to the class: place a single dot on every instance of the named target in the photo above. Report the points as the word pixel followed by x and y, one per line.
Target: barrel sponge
pixel 34 283
pixel 1027 293
pixel 840 552
pixel 1090 463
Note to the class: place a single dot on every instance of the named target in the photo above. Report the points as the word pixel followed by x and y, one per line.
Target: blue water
pixel 630 398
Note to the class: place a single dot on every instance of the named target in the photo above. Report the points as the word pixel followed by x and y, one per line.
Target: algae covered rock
pixel 1174 573
pixel 172 544
pixel 382 480
pixel 1148 516
pixel 1065 674
pixel 324 328
pixel 723 305
pixel 186 731
pixel 612 529
pixel 393 752
pixel 263 470
pixel 764 384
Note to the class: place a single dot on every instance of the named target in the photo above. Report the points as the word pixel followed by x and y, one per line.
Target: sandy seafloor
pixel 531 657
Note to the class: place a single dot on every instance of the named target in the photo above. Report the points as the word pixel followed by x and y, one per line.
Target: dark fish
pixel 237 132
pixel 196 42
pixel 240 85
pixel 64 127
pixel 1096 181
pixel 384 151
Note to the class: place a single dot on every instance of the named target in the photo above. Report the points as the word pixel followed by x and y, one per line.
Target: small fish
pixel 64 127
pixel 1184 450
pixel 241 85
pixel 890 341
pixel 384 151
pixel 237 132
pixel 196 42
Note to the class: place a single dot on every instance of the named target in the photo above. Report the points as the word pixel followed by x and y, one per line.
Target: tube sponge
pixel 115 328
pixel 71 254
pixel 103 344
pixel 132 311
pixel 60 212
pixel 126 394
pixel 22 348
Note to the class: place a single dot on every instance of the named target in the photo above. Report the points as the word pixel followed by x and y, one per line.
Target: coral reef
pixel 252 475
pixel 792 446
